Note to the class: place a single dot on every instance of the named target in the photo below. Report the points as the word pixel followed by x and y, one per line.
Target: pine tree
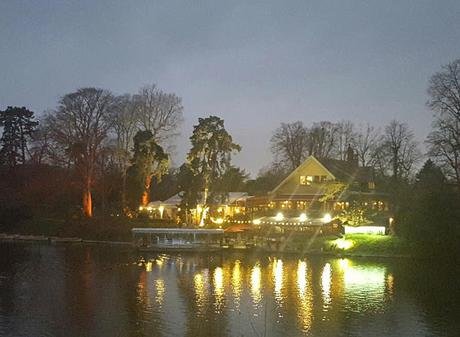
pixel 18 125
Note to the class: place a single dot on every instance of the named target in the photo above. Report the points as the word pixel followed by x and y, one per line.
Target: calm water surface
pixel 94 291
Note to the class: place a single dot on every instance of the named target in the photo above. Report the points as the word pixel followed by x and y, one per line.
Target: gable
pixel 295 184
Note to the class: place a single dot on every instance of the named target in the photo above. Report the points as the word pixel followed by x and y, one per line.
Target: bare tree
pixel 444 91
pixel 125 127
pixel 444 140
pixel 399 149
pixel 345 136
pixel 321 139
pixel 366 143
pixel 158 112
pixel 444 143
pixel 289 144
pixel 80 125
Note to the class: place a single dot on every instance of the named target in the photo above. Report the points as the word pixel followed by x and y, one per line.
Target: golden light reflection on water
pixel 390 284
pixel 237 283
pixel 326 285
pixel 200 282
pixel 278 278
pixel 230 287
pixel 255 283
pixel 218 282
pixel 305 297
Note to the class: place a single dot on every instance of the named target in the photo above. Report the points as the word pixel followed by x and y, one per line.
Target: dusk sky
pixel 253 63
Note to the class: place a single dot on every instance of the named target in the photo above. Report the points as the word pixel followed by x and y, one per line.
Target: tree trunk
pixel 87 201
pixel 146 193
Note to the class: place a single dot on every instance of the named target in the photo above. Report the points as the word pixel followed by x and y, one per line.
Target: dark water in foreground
pixel 93 291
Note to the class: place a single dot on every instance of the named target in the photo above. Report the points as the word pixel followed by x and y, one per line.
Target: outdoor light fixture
pixel 161 209
pixel 141 208
pixel 256 221
pixel 327 218
pixel 343 244
pixel 279 216
pixel 303 217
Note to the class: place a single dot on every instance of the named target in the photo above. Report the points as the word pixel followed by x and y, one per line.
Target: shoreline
pixel 55 240
pixel 4 237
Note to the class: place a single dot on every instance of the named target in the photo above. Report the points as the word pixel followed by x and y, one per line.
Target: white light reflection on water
pixel 364 286
pixel 255 284
pixel 278 278
pixel 302 277
pixel 160 291
pixel 278 287
pixel 305 297
pixel 326 285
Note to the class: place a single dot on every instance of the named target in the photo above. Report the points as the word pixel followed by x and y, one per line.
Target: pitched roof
pixel 347 170
pixel 342 170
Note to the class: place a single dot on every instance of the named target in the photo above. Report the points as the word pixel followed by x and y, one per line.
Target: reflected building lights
pixel 236 283
pixel 367 281
pixel 200 280
pixel 255 283
pixel 302 277
pixel 278 280
pixel 326 285
pixel 218 282
pixel 390 283
pixel 304 297
pixel 160 291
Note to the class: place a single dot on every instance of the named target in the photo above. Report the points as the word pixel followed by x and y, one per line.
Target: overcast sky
pixel 254 63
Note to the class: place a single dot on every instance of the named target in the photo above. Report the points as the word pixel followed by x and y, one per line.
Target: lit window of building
pixel 306 180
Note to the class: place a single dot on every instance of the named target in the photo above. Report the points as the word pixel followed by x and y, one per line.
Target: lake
pixel 110 291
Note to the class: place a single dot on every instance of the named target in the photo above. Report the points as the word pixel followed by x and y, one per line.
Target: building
pixel 229 205
pixel 305 195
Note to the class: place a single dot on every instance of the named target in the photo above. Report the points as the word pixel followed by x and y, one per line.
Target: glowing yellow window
pixel 306 180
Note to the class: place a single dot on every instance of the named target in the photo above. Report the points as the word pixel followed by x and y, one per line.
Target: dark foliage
pixel 430 216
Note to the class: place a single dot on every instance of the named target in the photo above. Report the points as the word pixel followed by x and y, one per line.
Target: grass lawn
pixel 368 244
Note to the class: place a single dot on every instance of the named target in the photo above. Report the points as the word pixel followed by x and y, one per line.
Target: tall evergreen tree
pixel 210 155
pixel 18 125
pixel 149 160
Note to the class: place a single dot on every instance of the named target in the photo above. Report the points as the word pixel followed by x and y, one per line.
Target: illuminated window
pixel 306 180
pixel 371 185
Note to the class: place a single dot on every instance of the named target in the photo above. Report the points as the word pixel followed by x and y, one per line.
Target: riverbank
pixel 356 245
pixel 107 228
pixel 57 240
pixel 368 245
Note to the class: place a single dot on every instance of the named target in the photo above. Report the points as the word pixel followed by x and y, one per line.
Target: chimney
pixel 351 156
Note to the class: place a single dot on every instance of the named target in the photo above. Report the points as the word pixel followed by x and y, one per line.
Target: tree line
pixel 117 147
